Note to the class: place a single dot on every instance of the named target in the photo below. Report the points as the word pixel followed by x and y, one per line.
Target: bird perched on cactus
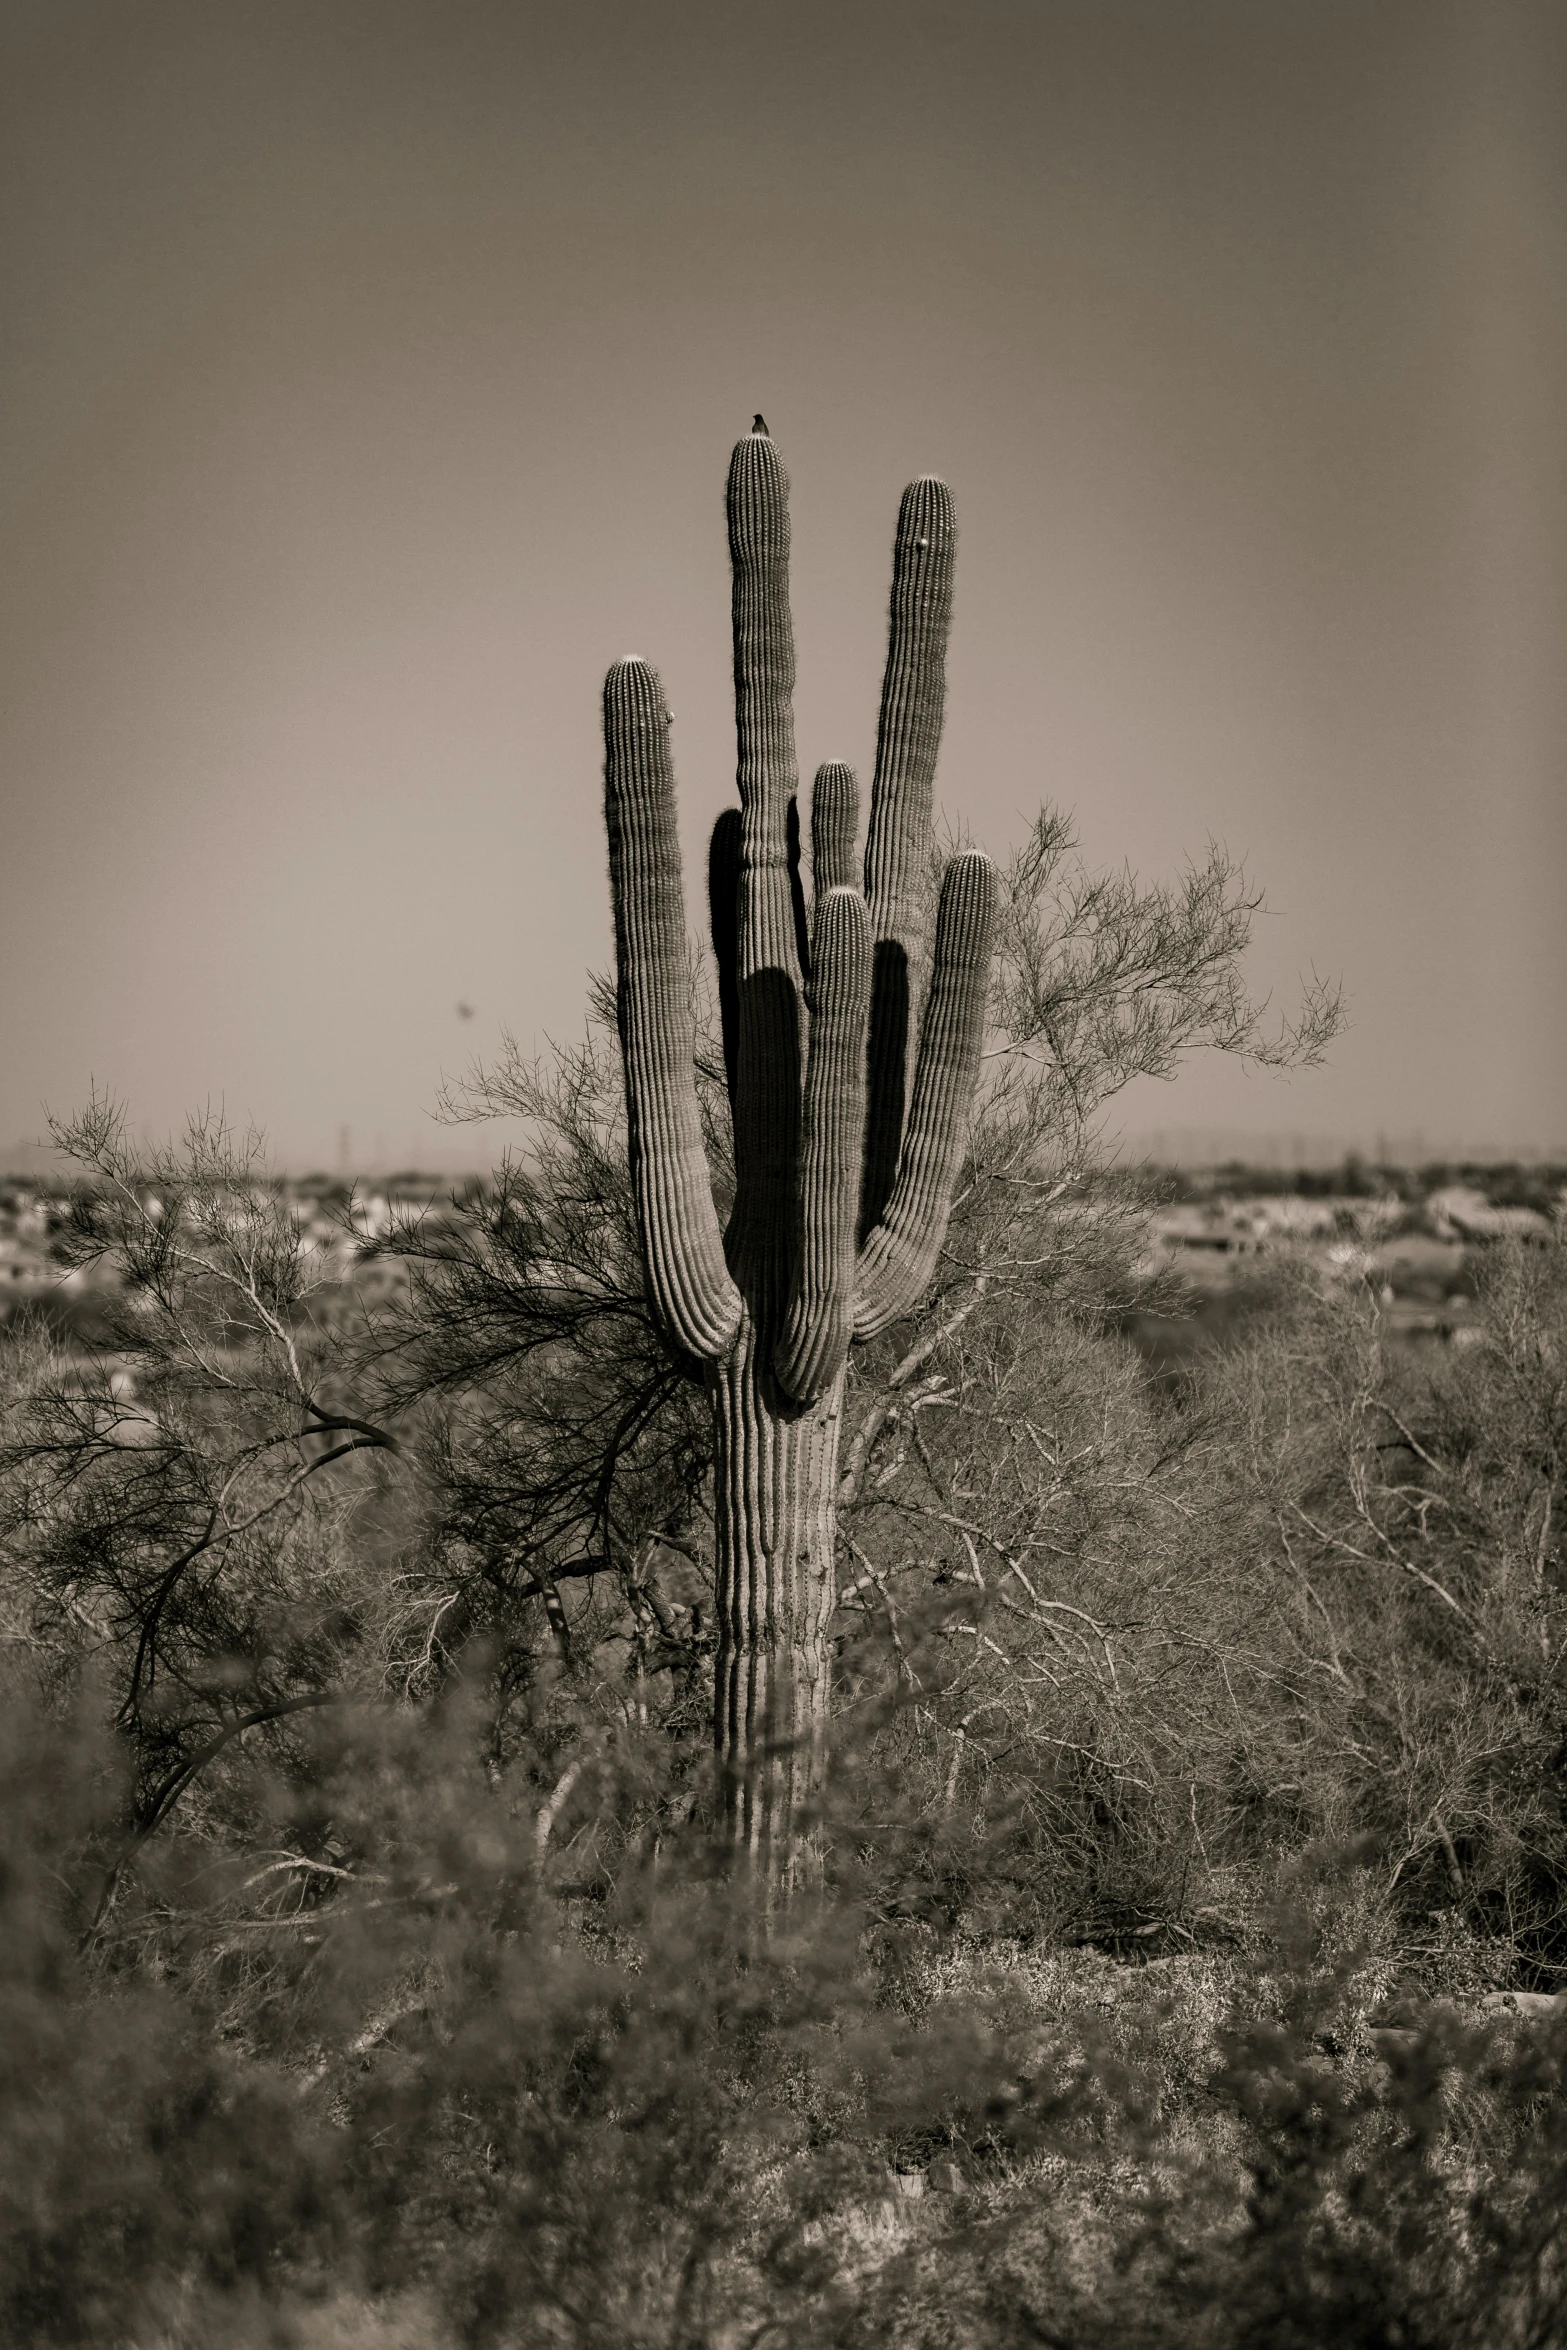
pixel 852 1040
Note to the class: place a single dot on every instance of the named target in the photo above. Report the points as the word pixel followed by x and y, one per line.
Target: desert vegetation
pixel 1177 1958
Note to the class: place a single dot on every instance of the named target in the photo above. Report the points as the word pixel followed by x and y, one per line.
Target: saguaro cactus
pixel 845 1164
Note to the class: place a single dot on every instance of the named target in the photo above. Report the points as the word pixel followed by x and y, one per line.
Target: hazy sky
pixel 369 377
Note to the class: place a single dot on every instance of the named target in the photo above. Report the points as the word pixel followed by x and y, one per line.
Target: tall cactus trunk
pixel 844 1169
pixel 775 1504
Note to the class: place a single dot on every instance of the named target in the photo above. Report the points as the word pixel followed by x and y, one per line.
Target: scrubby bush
pixel 373 1973
pixel 520 2066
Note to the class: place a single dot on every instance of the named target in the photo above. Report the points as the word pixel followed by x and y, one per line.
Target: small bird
pixel 759 424
pixel 465 1011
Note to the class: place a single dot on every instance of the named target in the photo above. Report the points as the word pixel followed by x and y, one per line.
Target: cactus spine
pixel 845 1163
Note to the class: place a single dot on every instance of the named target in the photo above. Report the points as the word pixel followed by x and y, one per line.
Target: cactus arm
pixel 899 1259
pixel 758 512
pixel 897 848
pixel 819 1323
pixel 690 1291
pixel 835 819
pixel 768 967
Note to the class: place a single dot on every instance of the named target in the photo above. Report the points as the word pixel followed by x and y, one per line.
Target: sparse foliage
pixel 173 1502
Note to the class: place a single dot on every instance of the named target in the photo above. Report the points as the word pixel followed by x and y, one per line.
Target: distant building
pixel 1459 1212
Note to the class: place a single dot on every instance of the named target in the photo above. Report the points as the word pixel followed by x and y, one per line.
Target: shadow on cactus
pixel 847 1142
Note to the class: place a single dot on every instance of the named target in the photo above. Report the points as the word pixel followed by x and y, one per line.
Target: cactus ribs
pixel 845 1160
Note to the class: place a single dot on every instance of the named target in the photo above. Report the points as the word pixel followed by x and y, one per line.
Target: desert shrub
pixel 501 2053
pixel 373 1967
pixel 186 1507
pixel 1400 1514
pixel 143 2162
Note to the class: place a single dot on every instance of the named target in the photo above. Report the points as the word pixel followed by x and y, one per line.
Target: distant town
pixel 1417 1237
pixel 343 1230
